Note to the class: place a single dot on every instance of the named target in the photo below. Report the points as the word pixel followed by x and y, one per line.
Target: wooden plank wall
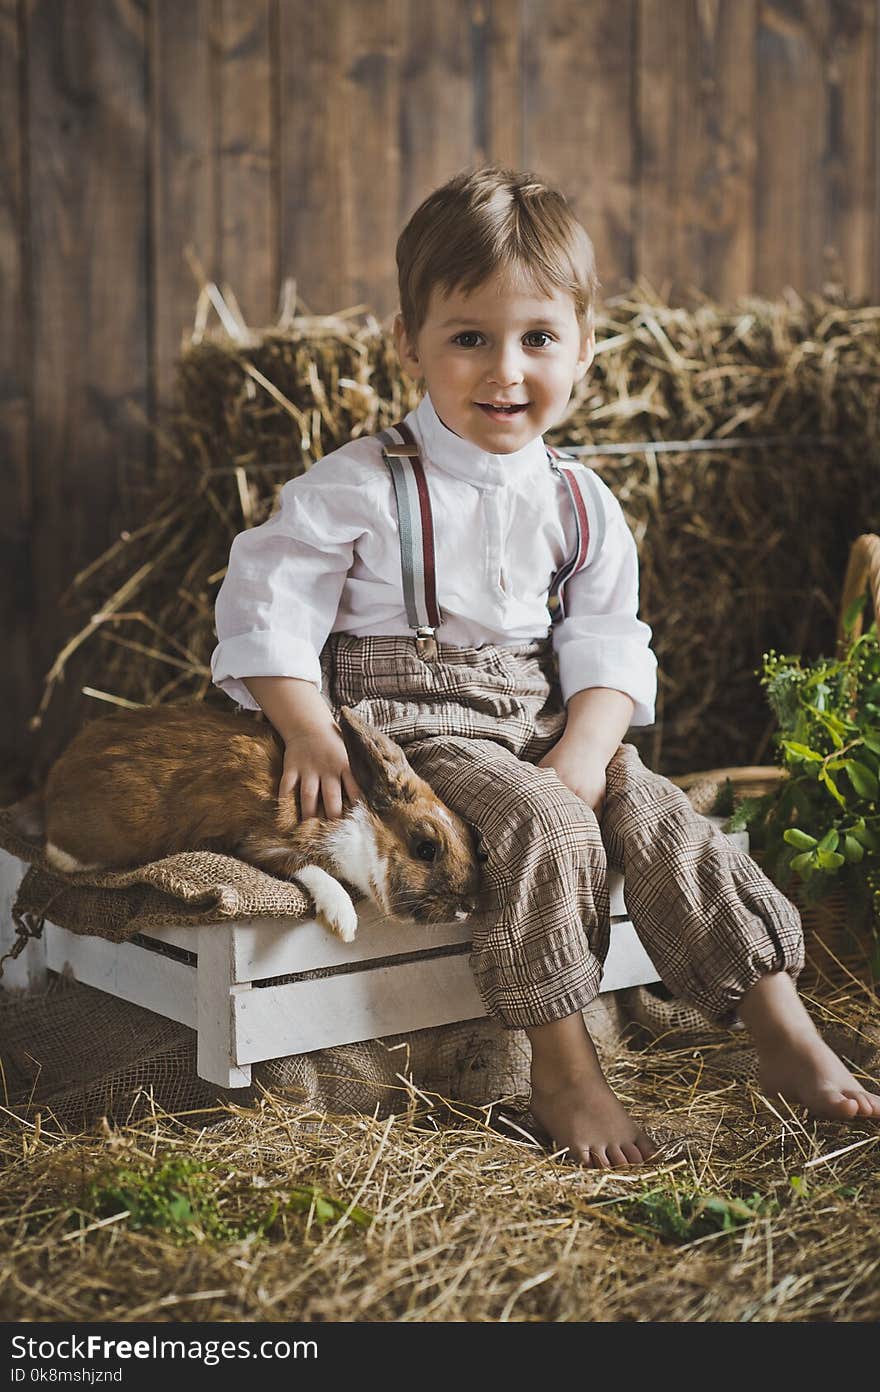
pixel 726 145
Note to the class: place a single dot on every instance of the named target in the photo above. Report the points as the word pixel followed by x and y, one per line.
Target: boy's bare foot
pixel 574 1104
pixel 794 1061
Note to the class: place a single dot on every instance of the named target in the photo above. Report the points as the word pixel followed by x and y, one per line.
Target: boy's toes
pixel 868 1102
pixel 842 1104
pixel 632 1153
pixel 617 1156
pixel 598 1158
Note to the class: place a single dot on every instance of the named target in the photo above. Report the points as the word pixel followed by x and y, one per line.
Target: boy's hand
pixel 316 767
pixel 581 769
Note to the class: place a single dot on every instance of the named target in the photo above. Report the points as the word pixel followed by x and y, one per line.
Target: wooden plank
pixel 27 971
pixel 303 1015
pixel 697 142
pixel 216 996
pixel 874 292
pixel 127 971
pixel 371 102
pixel 577 98
pixel 264 950
pixel 339 116
pixel 266 947
pixel 88 236
pixel 183 175
pixel 314 207
pixel 792 145
pixel 295 1018
pixel 853 141
pixel 18 686
pixel 497 40
pixel 437 101
pixel 247 188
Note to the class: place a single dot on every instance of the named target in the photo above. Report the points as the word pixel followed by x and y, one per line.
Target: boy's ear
pixel 587 353
pixel 409 360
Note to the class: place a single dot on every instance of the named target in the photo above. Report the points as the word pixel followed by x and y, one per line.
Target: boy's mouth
pixel 498 411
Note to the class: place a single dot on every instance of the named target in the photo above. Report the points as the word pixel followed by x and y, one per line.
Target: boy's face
pixel 506 342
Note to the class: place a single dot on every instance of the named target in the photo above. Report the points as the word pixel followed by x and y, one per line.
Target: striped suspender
pixel 578 481
pixel 416 531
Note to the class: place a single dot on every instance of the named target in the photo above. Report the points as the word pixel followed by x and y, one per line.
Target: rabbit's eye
pixel 426 850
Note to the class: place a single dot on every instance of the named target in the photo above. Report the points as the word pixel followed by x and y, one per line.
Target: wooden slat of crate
pixel 267 947
pixel 126 970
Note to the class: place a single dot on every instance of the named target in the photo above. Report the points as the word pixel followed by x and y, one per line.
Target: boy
pixel 517 731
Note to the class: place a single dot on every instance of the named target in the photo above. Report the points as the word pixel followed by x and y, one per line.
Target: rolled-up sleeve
pixel 280 596
pixel 602 641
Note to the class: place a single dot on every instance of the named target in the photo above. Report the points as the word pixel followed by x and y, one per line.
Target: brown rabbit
pixel 135 786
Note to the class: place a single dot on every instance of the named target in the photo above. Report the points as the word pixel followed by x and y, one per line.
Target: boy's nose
pixel 505 375
pixel 506 369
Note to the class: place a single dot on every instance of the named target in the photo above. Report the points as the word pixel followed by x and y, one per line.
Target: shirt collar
pixel 459 457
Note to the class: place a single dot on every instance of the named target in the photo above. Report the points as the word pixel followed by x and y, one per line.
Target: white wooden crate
pixel 258 989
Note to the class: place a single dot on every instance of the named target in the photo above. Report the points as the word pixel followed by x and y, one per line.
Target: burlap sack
pixel 76 1054
pixel 190 888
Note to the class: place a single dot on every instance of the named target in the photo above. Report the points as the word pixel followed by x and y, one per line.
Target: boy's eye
pixel 538 333
pixel 459 337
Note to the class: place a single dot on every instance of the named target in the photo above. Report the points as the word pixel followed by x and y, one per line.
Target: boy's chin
pixel 503 436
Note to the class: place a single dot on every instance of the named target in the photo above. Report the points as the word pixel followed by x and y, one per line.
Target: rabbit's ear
pixel 378 764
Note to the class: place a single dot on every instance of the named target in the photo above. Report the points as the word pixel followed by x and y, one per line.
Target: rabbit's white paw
pixel 333 907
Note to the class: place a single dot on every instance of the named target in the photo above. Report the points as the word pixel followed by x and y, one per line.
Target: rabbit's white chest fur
pixel 352 846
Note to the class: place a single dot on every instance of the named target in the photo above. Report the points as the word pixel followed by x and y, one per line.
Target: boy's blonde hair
pixel 492 219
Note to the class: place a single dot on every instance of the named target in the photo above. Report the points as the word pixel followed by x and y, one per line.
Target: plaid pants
pixel 473 724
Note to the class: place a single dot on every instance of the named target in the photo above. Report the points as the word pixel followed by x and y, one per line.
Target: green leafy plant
pixel 185 1200
pixel 679 1213
pixel 821 824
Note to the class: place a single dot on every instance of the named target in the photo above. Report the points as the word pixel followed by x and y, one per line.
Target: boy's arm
pixel 292 705
pixel 607 671
pixel 598 718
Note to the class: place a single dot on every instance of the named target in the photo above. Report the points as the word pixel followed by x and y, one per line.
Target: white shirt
pixel 328 561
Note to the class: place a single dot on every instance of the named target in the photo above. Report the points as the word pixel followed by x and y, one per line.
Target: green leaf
pixel 828 781
pixel 863 779
pixel 325 1210
pixel 829 860
pixel 801 840
pixel 801 751
pixel 853 850
pixel 836 729
pixel 802 862
pixel 872 743
pixel 180 1210
pixel 830 841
